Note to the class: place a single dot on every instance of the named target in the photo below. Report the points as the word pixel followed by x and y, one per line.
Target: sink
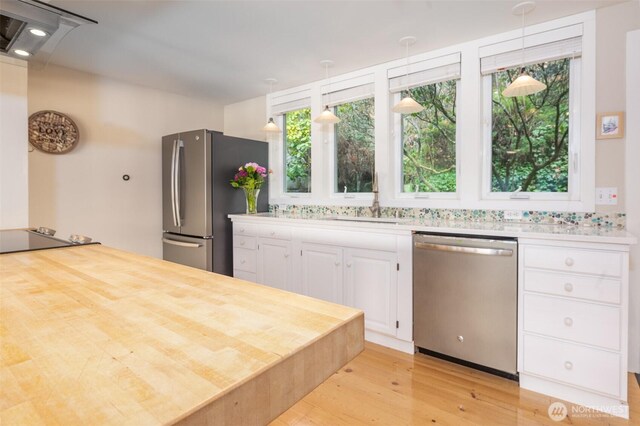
pixel 367 219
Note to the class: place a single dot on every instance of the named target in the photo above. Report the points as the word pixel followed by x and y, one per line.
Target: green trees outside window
pixel 429 140
pixel 530 135
pixel 355 146
pixel 297 153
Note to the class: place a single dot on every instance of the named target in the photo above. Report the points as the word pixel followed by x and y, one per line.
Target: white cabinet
pixel 371 284
pixel 262 254
pixel 362 268
pixel 573 322
pixel 274 263
pixel 321 272
pixel 361 278
pixel 244 252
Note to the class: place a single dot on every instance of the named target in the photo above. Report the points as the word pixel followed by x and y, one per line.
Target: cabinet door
pixel 274 263
pixel 372 285
pixel 322 272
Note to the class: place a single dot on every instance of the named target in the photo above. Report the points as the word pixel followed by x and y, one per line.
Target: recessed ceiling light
pixel 21 52
pixel 38 32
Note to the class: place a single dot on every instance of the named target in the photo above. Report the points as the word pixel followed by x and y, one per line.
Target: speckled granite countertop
pixel 593 234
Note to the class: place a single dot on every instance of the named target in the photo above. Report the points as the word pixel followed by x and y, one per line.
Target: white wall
pixel 633 192
pixel 120 126
pixel 14 173
pixel 612 25
pixel 246 119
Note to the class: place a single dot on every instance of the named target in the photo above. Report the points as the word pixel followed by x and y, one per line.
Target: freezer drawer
pixel 190 251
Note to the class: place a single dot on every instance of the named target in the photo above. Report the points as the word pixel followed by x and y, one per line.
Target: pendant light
pixel 407 105
pixel 327 116
pixel 271 126
pixel 525 84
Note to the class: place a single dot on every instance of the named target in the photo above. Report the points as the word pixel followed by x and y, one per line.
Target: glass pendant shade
pixel 271 127
pixel 327 117
pixel 407 106
pixel 523 85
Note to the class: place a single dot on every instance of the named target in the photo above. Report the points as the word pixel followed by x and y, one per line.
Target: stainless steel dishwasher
pixel 465 300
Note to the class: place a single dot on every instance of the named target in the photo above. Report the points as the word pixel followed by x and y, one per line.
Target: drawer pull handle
pixel 348 264
pixel 241 229
pixel 568 287
pixel 568 261
pixel 286 255
pixel 273 233
pixel 242 262
pixel 568 365
pixel 337 263
pixel 241 243
pixel 568 322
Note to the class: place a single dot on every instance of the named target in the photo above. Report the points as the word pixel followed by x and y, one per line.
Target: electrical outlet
pixel 512 215
pixel 607 196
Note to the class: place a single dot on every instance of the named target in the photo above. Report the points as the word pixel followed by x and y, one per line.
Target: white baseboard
pixel 590 400
pixel 389 342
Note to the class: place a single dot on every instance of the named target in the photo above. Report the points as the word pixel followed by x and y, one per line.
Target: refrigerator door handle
pixel 173 182
pixel 181 243
pixel 179 147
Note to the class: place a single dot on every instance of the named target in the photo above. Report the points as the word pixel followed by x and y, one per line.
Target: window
pixel 297 153
pixel 530 136
pixel 355 146
pixel 429 139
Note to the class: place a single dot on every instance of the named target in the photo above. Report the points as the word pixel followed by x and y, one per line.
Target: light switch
pixel 607 196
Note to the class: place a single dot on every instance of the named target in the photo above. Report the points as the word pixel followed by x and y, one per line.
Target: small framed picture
pixel 610 125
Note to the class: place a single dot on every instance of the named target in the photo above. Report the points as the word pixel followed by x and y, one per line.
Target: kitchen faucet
pixel 375 207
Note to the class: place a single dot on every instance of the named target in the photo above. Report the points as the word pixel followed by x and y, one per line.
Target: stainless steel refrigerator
pixel 197 197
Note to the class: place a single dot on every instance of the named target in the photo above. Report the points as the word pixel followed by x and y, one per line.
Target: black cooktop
pixel 17 240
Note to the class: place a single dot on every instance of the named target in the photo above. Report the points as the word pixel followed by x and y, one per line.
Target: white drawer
pixel 244 259
pixel 277 232
pixel 244 275
pixel 576 365
pixel 244 241
pixel 579 286
pixel 244 229
pixel 597 262
pixel 581 322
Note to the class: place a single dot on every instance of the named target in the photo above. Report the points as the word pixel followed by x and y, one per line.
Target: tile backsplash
pixel 610 220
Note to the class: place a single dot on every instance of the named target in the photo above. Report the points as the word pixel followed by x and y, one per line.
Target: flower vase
pixel 251 196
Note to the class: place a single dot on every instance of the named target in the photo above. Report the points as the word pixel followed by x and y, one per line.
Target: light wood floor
pixel 385 387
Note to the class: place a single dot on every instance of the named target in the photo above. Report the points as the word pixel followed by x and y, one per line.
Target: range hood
pixel 31 26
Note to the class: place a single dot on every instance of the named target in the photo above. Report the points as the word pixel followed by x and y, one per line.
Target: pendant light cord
pixel 406 75
pixel 522 68
pixel 326 77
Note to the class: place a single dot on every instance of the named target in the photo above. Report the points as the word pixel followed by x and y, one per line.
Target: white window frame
pixel 398 143
pixel 277 149
pixel 573 193
pixel 333 168
pixel 337 84
pixel 471 148
pixel 581 191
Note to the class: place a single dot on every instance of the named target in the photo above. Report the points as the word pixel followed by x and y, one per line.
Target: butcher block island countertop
pixel 95 335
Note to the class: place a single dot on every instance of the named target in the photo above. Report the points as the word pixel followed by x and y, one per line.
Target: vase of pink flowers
pixel 250 178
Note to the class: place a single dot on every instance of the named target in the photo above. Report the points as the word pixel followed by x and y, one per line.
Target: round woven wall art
pixel 52 132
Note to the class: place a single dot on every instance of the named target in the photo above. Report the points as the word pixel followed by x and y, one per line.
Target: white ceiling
pixel 226 49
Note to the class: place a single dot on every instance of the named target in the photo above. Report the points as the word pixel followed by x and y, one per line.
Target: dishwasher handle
pixel 461 249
